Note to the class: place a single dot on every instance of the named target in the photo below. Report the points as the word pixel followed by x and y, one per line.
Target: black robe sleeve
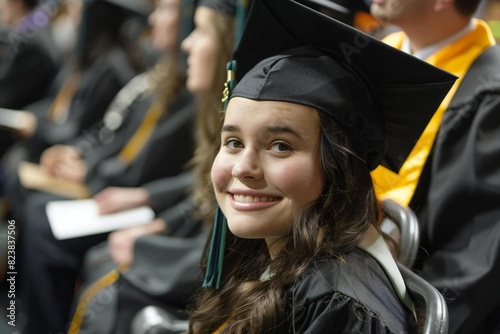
pixel 166 192
pixel 338 314
pixel 462 233
pixel 27 69
pixel 353 295
pixel 98 86
pixel 165 154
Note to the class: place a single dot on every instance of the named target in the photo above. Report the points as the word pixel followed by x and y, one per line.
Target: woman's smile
pixel 256 202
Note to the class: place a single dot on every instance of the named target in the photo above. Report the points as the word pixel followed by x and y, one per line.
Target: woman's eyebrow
pixel 283 129
pixel 271 129
pixel 230 128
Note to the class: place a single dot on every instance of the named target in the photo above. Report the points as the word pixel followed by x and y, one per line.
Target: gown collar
pixel 373 243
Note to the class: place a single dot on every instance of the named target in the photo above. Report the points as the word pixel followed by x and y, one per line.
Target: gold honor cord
pixel 142 134
pixel 62 101
pixel 91 292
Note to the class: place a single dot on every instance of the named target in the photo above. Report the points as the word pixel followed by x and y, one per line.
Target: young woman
pixel 303 128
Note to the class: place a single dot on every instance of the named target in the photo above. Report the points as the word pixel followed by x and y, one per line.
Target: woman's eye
pixel 233 144
pixel 281 147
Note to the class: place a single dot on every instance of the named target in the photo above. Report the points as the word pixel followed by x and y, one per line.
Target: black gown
pixel 55 263
pixel 28 67
pixel 458 203
pixel 350 296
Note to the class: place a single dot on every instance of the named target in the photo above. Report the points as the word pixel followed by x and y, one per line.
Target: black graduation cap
pixel 385 95
pixel 291 52
pixel 98 16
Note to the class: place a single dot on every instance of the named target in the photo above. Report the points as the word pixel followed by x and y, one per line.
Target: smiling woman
pixel 267 167
pixel 303 127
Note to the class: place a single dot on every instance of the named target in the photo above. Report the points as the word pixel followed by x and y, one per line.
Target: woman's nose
pixel 247 166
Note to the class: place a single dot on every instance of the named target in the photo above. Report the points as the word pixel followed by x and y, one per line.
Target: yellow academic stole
pixel 455 58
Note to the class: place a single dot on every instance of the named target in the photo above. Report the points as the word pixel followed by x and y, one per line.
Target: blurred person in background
pixel 149 127
pixel 163 258
pixel 451 179
pixel 29 59
pixel 101 60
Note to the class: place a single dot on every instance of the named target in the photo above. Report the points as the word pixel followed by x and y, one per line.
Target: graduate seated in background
pixel 29 60
pixel 147 135
pixel 103 59
pixel 125 138
pixel 305 124
pixel 452 180
pixel 164 269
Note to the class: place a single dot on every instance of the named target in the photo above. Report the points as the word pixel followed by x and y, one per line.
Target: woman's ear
pixel 440 5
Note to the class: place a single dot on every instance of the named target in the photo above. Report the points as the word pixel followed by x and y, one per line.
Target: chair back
pixel 427 298
pixel 401 223
pixel 155 320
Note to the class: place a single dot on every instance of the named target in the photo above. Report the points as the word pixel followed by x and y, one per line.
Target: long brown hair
pixel 329 227
pixel 169 71
pixel 209 118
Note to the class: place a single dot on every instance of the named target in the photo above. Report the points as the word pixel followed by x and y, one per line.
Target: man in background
pixel 451 179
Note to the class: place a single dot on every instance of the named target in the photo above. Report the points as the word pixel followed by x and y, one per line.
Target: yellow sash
pixel 455 58
pixel 142 134
pixel 105 281
pixel 61 103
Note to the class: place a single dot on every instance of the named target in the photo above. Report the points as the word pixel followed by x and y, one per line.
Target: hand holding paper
pixel 72 219
pixel 32 176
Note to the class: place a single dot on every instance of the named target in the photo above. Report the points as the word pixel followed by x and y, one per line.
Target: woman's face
pixel 202 49
pixel 268 167
pixel 165 24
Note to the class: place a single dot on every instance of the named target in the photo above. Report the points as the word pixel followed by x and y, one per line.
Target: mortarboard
pixel 106 15
pixel 407 89
pixel 290 52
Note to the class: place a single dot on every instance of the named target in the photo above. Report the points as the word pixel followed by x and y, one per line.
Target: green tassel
pixel 230 83
pixel 216 252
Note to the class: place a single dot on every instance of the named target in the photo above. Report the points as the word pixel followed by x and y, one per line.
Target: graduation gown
pixel 99 84
pixel 165 154
pixel 165 272
pixel 353 295
pixel 458 192
pixel 458 204
pixel 58 261
pixel 28 66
